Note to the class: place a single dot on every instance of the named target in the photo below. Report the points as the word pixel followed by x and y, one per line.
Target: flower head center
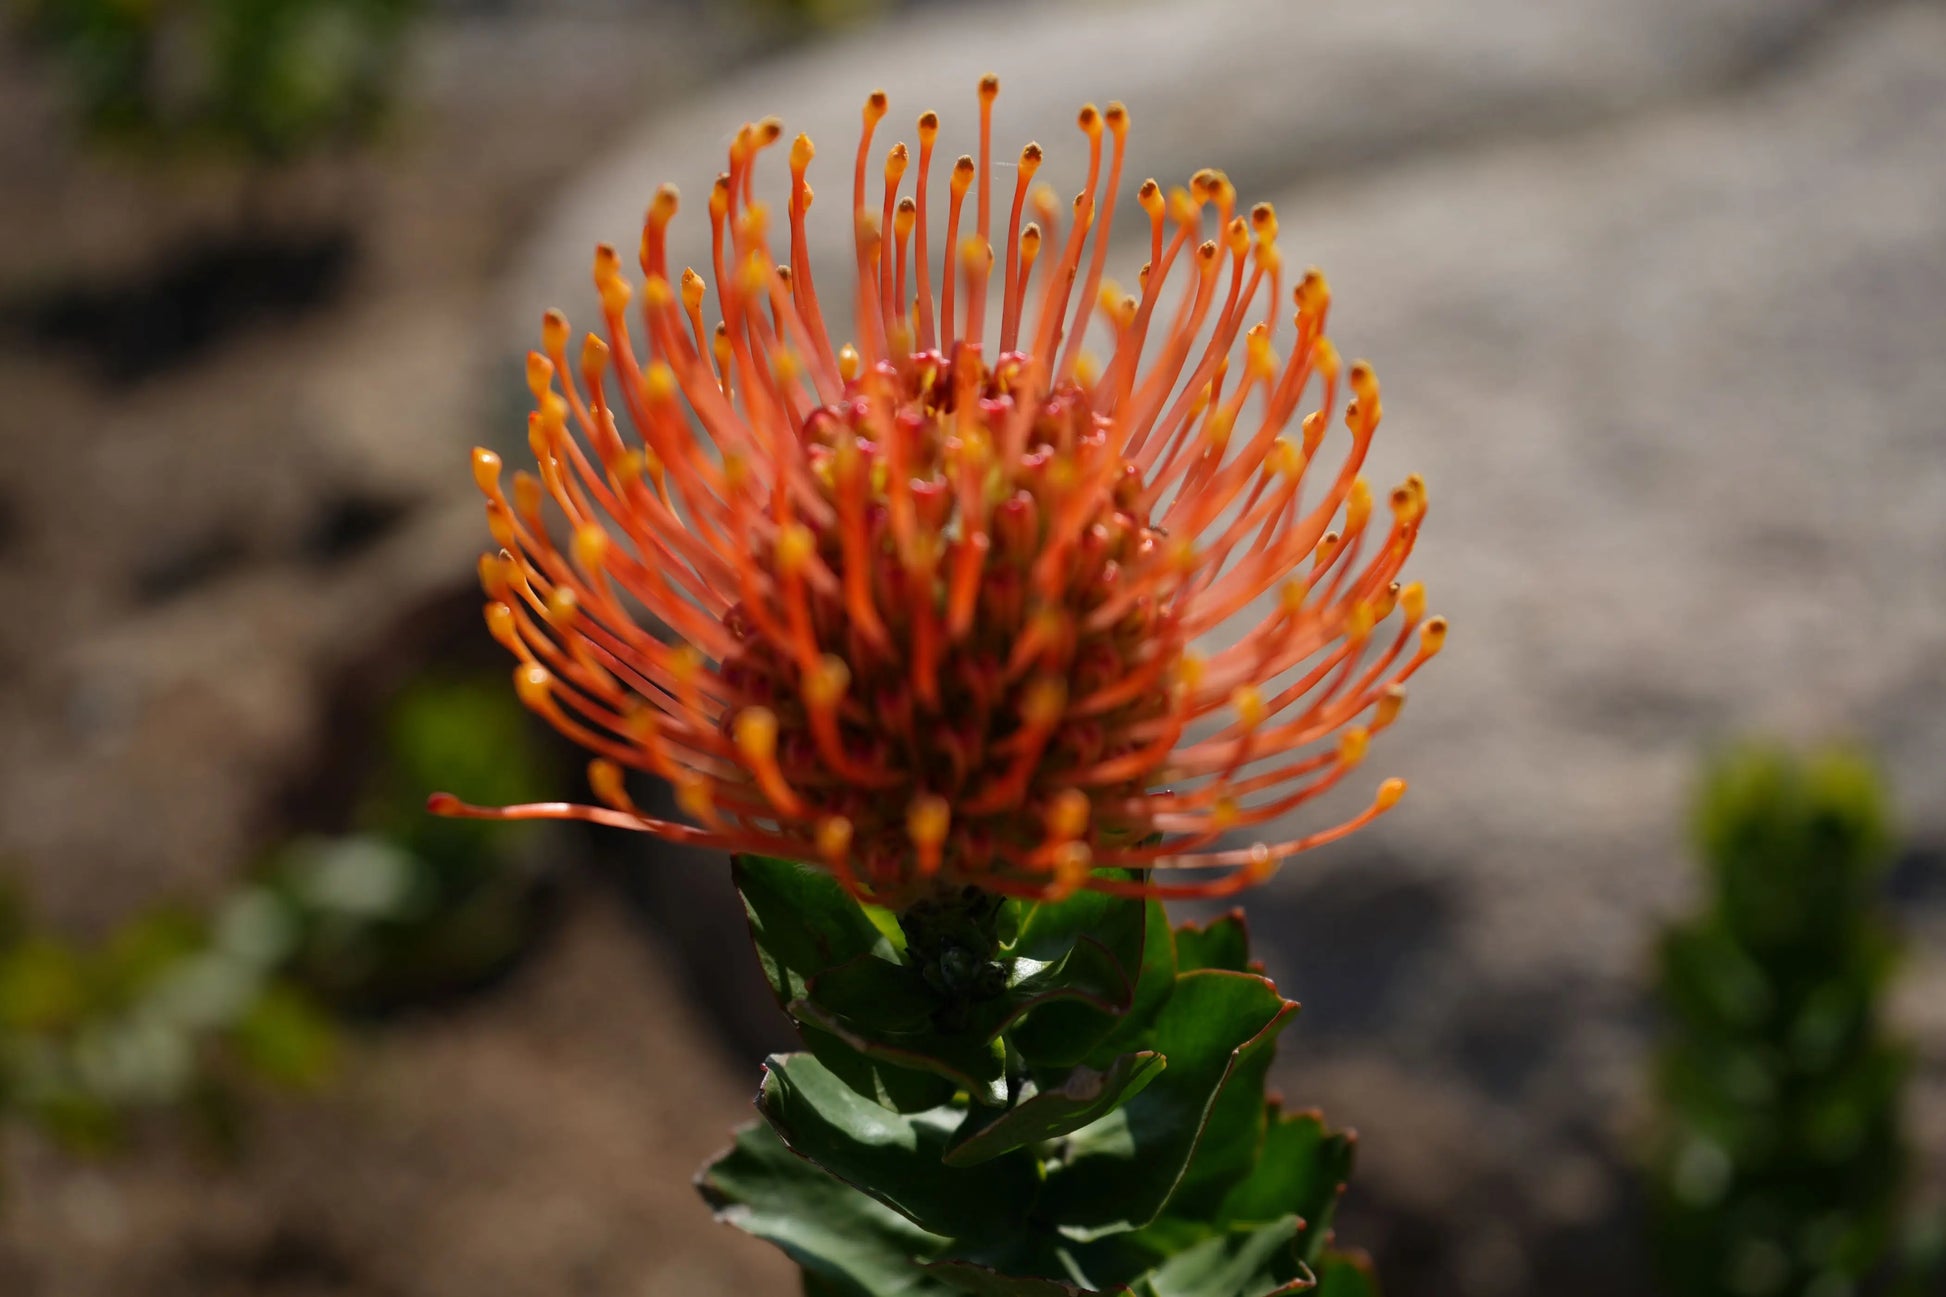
pixel 988 529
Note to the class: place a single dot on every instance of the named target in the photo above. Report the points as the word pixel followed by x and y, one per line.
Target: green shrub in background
pixel 269 79
pixel 1781 1159
pixel 407 905
pixel 1026 1100
pixel 167 1015
pixel 176 1008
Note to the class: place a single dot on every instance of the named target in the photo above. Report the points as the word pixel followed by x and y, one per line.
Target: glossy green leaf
pixel 802 921
pixel 1108 1264
pixel 1060 1036
pixel 1049 928
pixel 968 1277
pixel 889 1084
pixel 1252 1263
pixel 1154 986
pixel 1223 942
pixel 1234 1132
pixel 1096 943
pixel 1084 1096
pixel 1346 1274
pixel 887 1012
pixel 1122 1170
pixel 847 1244
pixel 816 1285
pixel 803 925
pixel 884 1011
pixel 897 1159
pixel 874 991
pixel 965 1060
pixel 1091 986
pixel 1302 1170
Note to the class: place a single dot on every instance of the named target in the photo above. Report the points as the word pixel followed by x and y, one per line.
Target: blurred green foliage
pixel 814 14
pixel 175 1010
pixel 168 1014
pixel 268 79
pixel 407 905
pixel 1779 1167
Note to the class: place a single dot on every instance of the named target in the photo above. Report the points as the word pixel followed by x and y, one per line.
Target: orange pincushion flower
pixel 925 619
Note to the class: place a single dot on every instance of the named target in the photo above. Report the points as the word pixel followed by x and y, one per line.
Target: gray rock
pixel 1267 90
pixel 1677 386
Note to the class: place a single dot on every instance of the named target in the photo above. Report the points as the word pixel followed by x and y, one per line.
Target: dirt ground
pixel 538 1141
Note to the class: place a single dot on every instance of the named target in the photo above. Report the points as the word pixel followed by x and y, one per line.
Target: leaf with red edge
pixel 847 1244
pixel 1302 1169
pixel 1223 942
pixel 1120 1172
pixel 1347 1274
pixel 897 1159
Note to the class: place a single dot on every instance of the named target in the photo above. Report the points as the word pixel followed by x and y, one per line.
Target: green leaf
pixel 1302 1170
pixel 847 1244
pixel 803 925
pixel 1059 1036
pixel 1234 1131
pixel 816 1285
pixel 886 1011
pixel 1154 986
pixel 886 1083
pixel 1090 979
pixel 802 921
pixel 1223 942
pixel 1122 1170
pixel 1254 1263
pixel 895 1158
pixel 1107 1265
pixel 1084 1096
pixel 968 1277
pixel 1094 941
pixel 1049 928
pixel 872 991
pixel 1346 1274
pixel 965 1061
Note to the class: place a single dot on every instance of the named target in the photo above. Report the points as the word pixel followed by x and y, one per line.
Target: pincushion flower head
pixel 919 607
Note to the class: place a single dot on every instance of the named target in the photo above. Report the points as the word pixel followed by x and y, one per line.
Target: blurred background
pixel 1658 292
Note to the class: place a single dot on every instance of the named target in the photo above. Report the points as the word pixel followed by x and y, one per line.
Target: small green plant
pixel 167 1015
pixel 176 1008
pixel 1031 1098
pixel 1780 1162
pixel 270 79
pixel 407 905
